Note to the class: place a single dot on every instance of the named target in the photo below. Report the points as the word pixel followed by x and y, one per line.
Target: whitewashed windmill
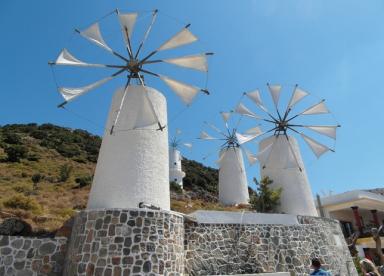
pixel 176 173
pixel 279 154
pixel 133 161
pixel 233 185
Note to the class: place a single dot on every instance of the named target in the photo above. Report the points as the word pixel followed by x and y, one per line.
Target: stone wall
pixel 126 242
pixel 23 256
pixel 123 242
pixel 212 249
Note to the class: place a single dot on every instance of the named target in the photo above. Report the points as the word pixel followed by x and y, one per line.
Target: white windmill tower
pixel 233 185
pixel 176 173
pixel 279 154
pixel 133 161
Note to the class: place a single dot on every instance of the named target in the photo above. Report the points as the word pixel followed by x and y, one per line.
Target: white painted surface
pixel 224 217
pixel 233 186
pixel 175 172
pixel 296 197
pixel 133 164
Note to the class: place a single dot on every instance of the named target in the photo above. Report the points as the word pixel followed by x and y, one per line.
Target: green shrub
pixel 36 178
pixel 38 134
pixel 11 138
pixel 15 153
pixel 265 199
pixel 23 202
pixel 33 157
pixel 84 181
pixel 68 150
pixel 65 172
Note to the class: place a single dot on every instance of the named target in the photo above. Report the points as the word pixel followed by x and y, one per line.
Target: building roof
pixel 360 198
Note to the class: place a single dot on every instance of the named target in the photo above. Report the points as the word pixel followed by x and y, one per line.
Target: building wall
pixel 124 242
pixel 31 256
pixel 238 249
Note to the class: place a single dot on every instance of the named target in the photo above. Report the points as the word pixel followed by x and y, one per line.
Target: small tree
pixel 83 181
pixel 265 199
pixel 65 172
pixel 36 179
pixel 15 153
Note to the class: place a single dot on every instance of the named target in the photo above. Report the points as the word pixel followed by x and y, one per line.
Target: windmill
pixel 176 173
pixel 279 153
pixel 233 186
pixel 132 165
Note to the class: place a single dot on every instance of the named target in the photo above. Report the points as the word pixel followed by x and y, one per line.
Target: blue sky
pixel 333 49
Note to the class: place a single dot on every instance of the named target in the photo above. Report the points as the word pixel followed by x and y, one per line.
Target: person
pixel 317 270
pixel 368 268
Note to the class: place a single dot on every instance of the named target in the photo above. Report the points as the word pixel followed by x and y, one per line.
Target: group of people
pixel 368 268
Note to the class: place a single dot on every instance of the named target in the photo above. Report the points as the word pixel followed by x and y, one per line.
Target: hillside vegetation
pixel 46 172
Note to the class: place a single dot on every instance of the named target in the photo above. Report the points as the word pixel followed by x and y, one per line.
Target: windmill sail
pixel 264 155
pixel 196 62
pixel 245 138
pixel 256 98
pixel 186 92
pixel 127 22
pixel 317 148
pixel 329 131
pixel 66 58
pixel 181 38
pixel 71 93
pixel 318 108
pixel 297 95
pixel 241 109
pixel 225 116
pixel 252 159
pixel 93 34
pixel 275 93
pixel 206 136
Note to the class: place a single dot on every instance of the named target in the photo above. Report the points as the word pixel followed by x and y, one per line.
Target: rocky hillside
pixel 46 172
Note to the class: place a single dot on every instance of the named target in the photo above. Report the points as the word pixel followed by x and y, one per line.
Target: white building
pixel 358 211
pixel 176 173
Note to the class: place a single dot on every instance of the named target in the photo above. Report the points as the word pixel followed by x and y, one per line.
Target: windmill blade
pixel 263 156
pixel 225 116
pixel 241 109
pixel 318 108
pixel 245 138
pixel 127 23
pixel 154 16
pixel 212 126
pixel 185 91
pixel 197 62
pixel 148 109
pixel 256 98
pixel 188 145
pixel 252 159
pixel 221 157
pixel 254 130
pixel 66 58
pixel 206 136
pixel 275 90
pixel 291 161
pixel 329 131
pixel 69 93
pixel 317 148
pixel 93 34
pixel 297 95
pixel 180 39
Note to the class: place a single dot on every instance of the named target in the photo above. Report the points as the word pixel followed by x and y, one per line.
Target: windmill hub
pixel 282 126
pixel 134 66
